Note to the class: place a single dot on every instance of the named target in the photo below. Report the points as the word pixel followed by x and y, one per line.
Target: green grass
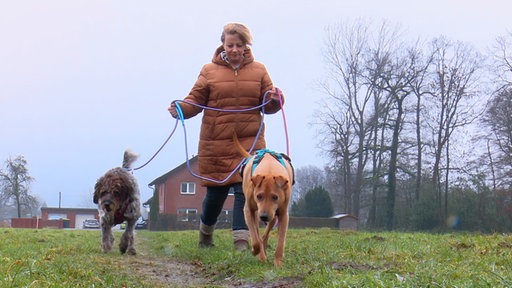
pixel 313 258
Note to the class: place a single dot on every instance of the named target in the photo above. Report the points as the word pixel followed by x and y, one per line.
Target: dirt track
pixel 165 272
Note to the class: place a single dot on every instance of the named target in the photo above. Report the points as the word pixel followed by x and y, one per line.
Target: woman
pixel 232 81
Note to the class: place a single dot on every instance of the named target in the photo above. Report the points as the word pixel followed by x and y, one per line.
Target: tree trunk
pixel 418 149
pixel 390 213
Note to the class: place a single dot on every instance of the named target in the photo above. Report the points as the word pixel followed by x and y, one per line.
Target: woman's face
pixel 234 48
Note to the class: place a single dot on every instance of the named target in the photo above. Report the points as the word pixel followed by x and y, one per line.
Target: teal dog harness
pixel 259 155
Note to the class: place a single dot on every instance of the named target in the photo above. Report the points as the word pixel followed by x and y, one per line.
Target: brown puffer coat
pixel 221 86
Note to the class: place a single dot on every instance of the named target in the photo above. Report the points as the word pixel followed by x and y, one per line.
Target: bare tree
pixel 15 185
pixel 378 148
pixel 344 119
pixel 307 178
pixel 498 118
pixel 455 66
pixel 496 160
pixel 354 59
pixel 338 147
pixel 371 75
pixel 420 89
pixel 503 60
pixel 403 70
pixel 378 122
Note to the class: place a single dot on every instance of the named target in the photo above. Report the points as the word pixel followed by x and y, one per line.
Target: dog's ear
pixel 257 180
pixel 95 198
pixel 281 182
pixel 96 195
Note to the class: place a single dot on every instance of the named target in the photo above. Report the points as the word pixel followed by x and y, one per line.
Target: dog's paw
pixel 255 249
pixel 131 251
pixel 278 262
pixel 125 248
pixel 262 257
pixel 106 247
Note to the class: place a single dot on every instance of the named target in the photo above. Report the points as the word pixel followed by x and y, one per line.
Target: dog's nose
pixel 107 204
pixel 264 217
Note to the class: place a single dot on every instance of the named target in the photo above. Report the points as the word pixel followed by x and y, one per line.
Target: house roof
pixel 148 202
pixel 162 178
pixel 63 210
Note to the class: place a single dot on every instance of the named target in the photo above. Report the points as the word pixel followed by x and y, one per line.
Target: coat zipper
pixel 237 95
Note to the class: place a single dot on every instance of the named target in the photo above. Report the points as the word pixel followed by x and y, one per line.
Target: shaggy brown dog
pixel 267 184
pixel 117 196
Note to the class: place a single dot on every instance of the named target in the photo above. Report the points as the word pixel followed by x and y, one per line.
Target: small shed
pixel 346 221
pixel 76 216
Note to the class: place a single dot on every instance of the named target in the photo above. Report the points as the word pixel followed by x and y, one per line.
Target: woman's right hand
pixel 172 110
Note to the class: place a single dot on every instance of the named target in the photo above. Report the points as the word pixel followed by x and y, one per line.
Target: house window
pixel 188 188
pixel 57 216
pixel 161 199
pixel 225 216
pixel 185 214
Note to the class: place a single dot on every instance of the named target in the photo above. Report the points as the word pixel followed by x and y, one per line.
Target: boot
pixel 206 235
pixel 241 240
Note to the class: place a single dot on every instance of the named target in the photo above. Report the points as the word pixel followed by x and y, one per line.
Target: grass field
pixel 313 258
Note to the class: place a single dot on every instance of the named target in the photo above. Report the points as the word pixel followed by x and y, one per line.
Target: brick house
pixel 180 197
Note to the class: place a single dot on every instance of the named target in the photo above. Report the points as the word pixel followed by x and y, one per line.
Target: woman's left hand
pixel 275 95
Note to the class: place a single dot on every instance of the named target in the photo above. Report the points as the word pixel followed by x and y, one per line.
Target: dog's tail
pixel 239 147
pixel 129 158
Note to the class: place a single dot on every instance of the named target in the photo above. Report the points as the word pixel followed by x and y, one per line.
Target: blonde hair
pixel 237 28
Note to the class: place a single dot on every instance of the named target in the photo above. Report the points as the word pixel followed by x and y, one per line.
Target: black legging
pixel 214 201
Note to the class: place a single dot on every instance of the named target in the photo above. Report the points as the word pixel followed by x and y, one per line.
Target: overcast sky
pixel 81 81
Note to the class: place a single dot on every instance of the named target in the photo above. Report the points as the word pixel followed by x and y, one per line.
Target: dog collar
pixel 119 215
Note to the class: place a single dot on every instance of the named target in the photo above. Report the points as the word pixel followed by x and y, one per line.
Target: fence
pixel 38 223
pixel 174 223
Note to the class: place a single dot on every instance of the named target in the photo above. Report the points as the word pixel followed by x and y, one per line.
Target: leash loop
pixel 181 119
